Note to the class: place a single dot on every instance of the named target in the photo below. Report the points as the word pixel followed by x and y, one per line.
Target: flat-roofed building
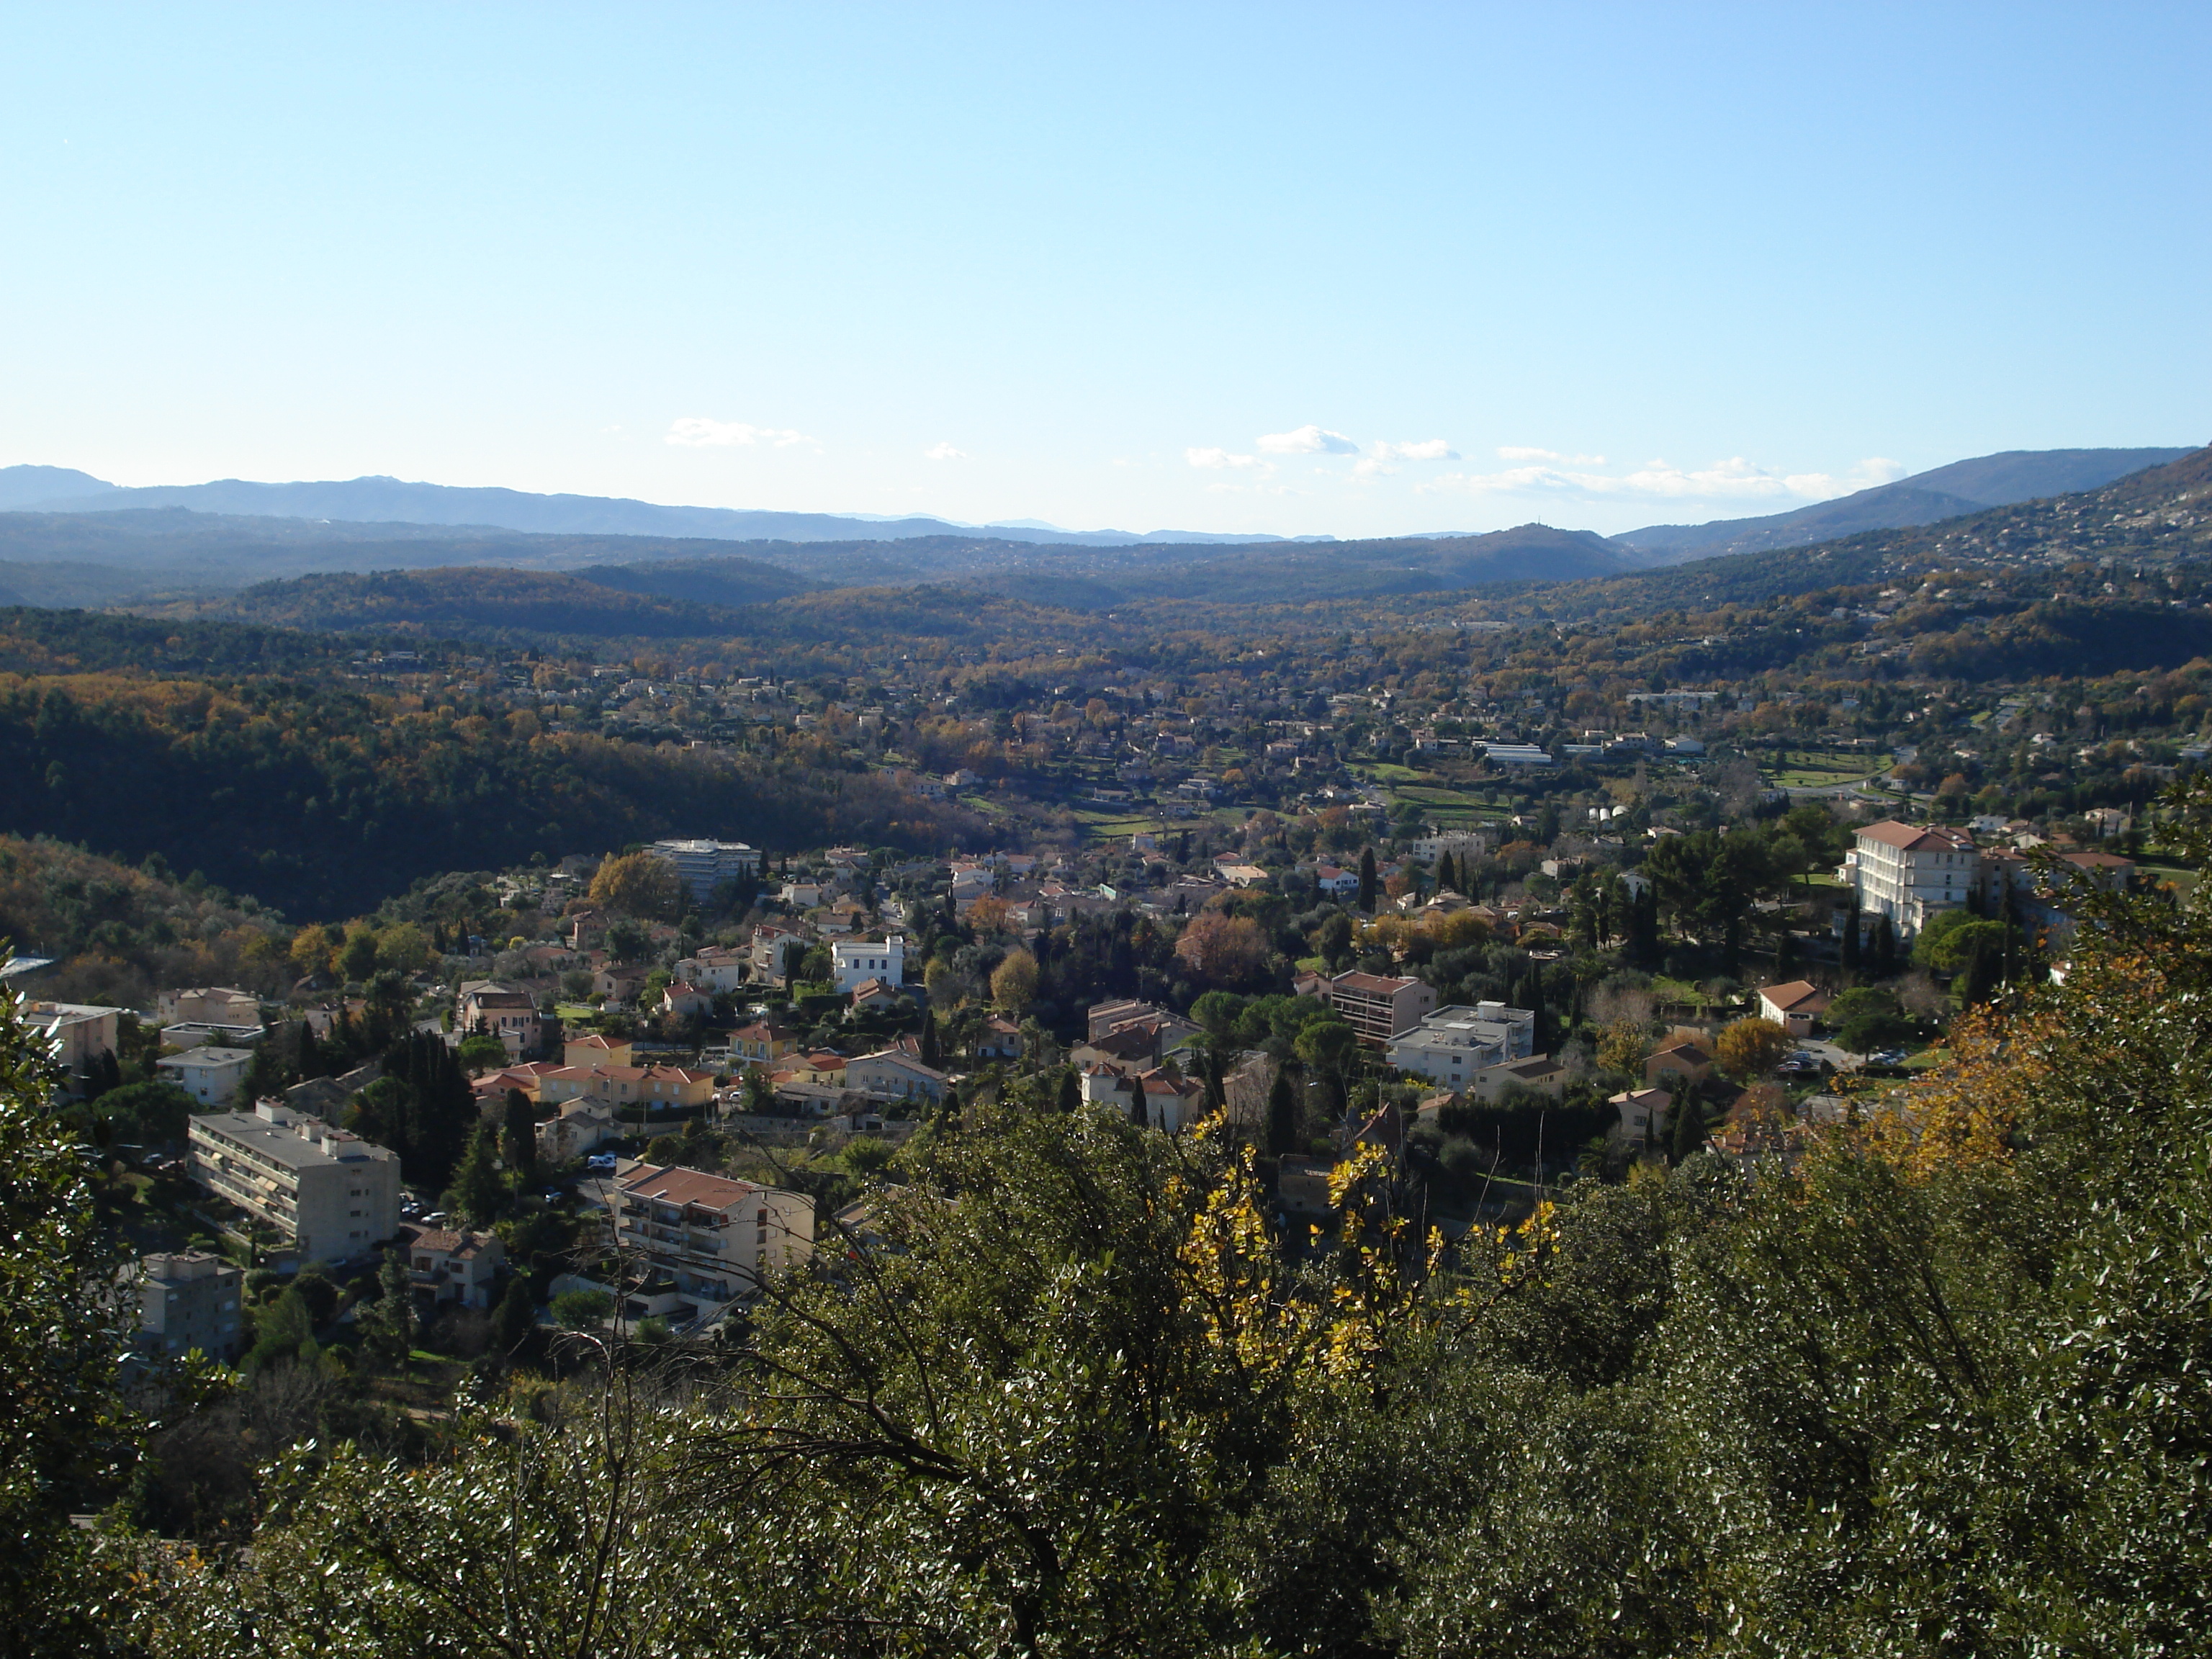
pixel 210 1074
pixel 1452 1044
pixel 335 1195
pixel 703 865
pixel 856 960
pixel 714 1236
pixel 189 1300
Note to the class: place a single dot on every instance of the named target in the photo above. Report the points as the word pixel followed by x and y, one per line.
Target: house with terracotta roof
pixel 763 1043
pixel 1642 1117
pixel 1793 1005
pixel 1677 1064
pixel 449 1264
pixel 596 1050
pixel 683 999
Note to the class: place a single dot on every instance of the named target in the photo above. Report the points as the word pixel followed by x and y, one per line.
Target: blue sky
pixel 1326 269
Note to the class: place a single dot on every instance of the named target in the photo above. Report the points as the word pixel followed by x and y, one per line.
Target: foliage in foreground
pixel 1939 1387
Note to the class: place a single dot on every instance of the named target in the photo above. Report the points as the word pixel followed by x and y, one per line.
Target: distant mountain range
pixel 69 539
pixel 393 500
pixel 1943 492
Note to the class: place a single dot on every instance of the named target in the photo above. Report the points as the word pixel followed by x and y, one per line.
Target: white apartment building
pixel 703 865
pixel 714 1236
pixel 210 1075
pixel 1909 873
pixel 1452 1044
pixel 856 960
pixel 334 1194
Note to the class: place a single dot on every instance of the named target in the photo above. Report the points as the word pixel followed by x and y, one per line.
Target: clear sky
pixel 1337 269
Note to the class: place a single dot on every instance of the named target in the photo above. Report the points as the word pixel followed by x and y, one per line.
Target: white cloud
pixel 1522 452
pixel 1370 467
pixel 946 453
pixel 1218 459
pixel 1428 449
pixel 1735 479
pixel 1308 440
pixel 698 432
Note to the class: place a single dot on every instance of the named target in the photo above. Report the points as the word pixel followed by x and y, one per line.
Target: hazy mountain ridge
pixel 1943 492
pixel 58 489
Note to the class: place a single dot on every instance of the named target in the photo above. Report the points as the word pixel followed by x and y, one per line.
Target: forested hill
pixel 323 801
pixel 480 603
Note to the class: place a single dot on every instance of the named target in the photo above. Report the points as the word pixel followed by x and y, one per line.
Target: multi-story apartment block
pixel 186 1301
pixel 1452 1044
pixel 78 1034
pixel 714 1236
pixel 1379 1006
pixel 703 865
pixel 1909 873
pixel 333 1194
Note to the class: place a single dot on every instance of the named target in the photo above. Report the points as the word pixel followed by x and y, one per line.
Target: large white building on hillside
pixel 703 865
pixel 1910 872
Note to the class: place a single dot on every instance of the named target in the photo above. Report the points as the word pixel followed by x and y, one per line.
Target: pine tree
pixel 1367 888
pixel 389 1329
pixel 477 1191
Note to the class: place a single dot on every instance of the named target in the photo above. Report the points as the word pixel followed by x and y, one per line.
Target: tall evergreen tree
pixel 478 1192
pixel 518 1144
pixel 1282 1114
pixel 515 1317
pixel 932 1046
pixel 1850 951
pixel 1689 1125
pixel 1071 1092
pixel 1447 875
pixel 1367 887
pixel 1884 953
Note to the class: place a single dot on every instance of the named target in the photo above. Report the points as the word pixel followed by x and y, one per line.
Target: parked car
pixel 600 1161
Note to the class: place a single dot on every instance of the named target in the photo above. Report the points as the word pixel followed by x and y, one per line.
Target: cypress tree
pixel 515 1317
pixel 1071 1092
pixel 1282 1114
pixel 519 1136
pixel 1137 1112
pixel 1689 1127
pixel 1885 948
pixel 932 1049
pixel 1367 888
pixel 1851 953
pixel 1447 877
